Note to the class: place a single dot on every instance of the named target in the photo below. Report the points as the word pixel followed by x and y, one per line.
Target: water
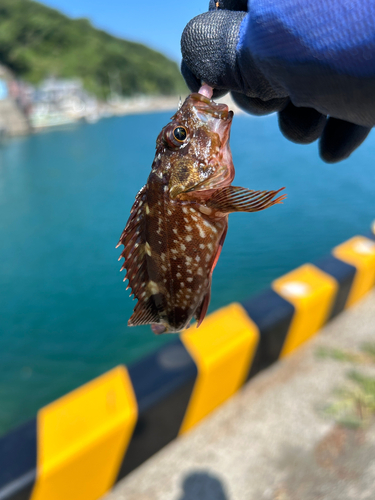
pixel 64 200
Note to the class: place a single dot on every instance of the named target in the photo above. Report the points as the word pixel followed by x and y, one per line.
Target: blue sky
pixel 157 23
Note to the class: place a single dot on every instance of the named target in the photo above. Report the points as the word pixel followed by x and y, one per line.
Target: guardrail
pixel 79 446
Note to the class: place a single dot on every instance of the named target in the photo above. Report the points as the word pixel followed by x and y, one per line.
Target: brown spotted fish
pixel 177 225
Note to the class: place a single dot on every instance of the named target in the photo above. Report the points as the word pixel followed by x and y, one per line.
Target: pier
pixel 244 407
pixel 272 441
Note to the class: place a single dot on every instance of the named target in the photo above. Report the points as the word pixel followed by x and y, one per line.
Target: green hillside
pixel 37 41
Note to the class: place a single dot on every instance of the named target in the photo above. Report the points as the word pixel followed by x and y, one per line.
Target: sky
pixel 157 23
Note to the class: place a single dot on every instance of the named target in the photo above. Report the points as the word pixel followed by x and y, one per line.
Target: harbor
pixel 135 364
pixel 59 102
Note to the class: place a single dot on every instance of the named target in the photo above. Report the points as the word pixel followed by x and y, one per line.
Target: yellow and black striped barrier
pixel 79 446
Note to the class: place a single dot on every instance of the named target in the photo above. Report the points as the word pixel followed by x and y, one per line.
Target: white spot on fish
pixel 205 210
pixel 197 258
pixel 188 238
pixel 147 209
pixel 148 249
pixel 194 218
pixel 162 256
pixel 169 212
pixel 173 250
pixel 188 228
pixel 207 224
pixel 183 247
pixel 153 287
pixel 178 275
pixel 201 246
pixel 189 280
pixel 182 284
pixel 163 267
pixel 175 231
pixel 209 246
pixel 200 271
pixel 202 234
pixel 185 210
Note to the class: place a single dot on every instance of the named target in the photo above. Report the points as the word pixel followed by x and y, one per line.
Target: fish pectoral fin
pixel 238 199
pixel 201 311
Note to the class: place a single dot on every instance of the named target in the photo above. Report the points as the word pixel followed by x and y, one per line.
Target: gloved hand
pixel 213 52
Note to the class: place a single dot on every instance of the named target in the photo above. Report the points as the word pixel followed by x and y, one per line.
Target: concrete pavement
pixel 273 440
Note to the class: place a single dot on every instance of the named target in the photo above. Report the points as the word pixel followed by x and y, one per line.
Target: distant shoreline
pixel 154 104
pixel 120 107
pixel 144 104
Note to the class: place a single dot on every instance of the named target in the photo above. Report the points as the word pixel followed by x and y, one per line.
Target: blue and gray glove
pixel 312 62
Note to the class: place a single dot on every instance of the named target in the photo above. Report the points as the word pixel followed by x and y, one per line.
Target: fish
pixel 179 220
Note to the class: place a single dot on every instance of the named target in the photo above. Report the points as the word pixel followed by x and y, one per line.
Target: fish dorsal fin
pixel 133 239
pixel 238 199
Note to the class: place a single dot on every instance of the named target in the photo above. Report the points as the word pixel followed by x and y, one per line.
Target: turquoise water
pixel 64 200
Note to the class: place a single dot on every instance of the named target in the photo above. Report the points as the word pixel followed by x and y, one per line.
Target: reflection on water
pixel 64 200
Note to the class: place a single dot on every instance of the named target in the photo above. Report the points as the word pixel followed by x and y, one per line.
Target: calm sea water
pixel 64 200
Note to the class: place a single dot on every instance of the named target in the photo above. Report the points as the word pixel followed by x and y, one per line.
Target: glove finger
pixel 258 107
pixel 228 5
pixel 194 84
pixel 301 125
pixel 191 80
pixel 208 46
pixel 340 138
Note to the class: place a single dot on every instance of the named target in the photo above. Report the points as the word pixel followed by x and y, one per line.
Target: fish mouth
pixel 205 106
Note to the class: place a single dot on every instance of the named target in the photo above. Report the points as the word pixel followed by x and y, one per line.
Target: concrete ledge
pixel 83 443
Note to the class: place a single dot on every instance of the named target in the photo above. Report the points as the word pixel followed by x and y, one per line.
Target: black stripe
pixel 18 462
pixel 344 274
pixel 272 314
pixel 163 383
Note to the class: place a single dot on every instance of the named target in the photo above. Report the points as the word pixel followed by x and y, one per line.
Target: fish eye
pixel 175 135
pixel 180 134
